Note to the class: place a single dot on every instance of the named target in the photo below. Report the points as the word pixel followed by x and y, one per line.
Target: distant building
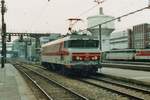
pixel 29 49
pixel 136 38
pixel 141 36
pixel 120 40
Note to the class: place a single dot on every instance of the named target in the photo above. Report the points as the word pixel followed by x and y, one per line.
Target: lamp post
pixel 3 34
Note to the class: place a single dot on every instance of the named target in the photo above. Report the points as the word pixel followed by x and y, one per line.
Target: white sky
pixel 44 16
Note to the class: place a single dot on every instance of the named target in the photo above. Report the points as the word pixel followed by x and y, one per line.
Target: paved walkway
pixel 13 86
pixel 133 74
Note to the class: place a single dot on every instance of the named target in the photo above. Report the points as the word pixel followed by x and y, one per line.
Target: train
pixel 72 54
pixel 127 55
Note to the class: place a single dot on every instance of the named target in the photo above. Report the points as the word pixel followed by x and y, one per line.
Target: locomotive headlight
pixel 95 57
pixel 78 58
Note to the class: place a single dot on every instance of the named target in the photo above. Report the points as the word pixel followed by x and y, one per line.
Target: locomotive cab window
pixel 83 43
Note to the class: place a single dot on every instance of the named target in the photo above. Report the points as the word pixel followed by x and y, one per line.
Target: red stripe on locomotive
pixel 62 53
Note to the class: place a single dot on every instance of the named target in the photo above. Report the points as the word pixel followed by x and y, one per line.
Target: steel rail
pixel 112 90
pixel 122 85
pixel 36 84
pixel 58 84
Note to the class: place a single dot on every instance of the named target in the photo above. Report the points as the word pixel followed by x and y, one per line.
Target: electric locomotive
pixel 73 53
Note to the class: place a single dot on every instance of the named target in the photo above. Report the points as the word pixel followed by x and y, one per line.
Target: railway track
pixel 36 85
pixel 129 85
pixel 124 90
pixel 130 91
pixel 52 89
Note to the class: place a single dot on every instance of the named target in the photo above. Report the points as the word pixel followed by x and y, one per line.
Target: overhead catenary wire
pixel 85 13
pixel 88 10
pixel 98 3
pixel 41 12
pixel 116 18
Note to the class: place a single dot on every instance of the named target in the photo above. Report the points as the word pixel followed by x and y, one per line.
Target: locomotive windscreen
pixel 83 43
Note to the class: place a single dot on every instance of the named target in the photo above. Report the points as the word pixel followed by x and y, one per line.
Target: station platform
pixel 13 86
pixel 143 76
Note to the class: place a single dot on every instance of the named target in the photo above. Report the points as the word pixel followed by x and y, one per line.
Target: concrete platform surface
pixel 132 74
pixel 13 86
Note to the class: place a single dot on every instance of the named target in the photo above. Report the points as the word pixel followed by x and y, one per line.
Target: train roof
pixel 71 37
